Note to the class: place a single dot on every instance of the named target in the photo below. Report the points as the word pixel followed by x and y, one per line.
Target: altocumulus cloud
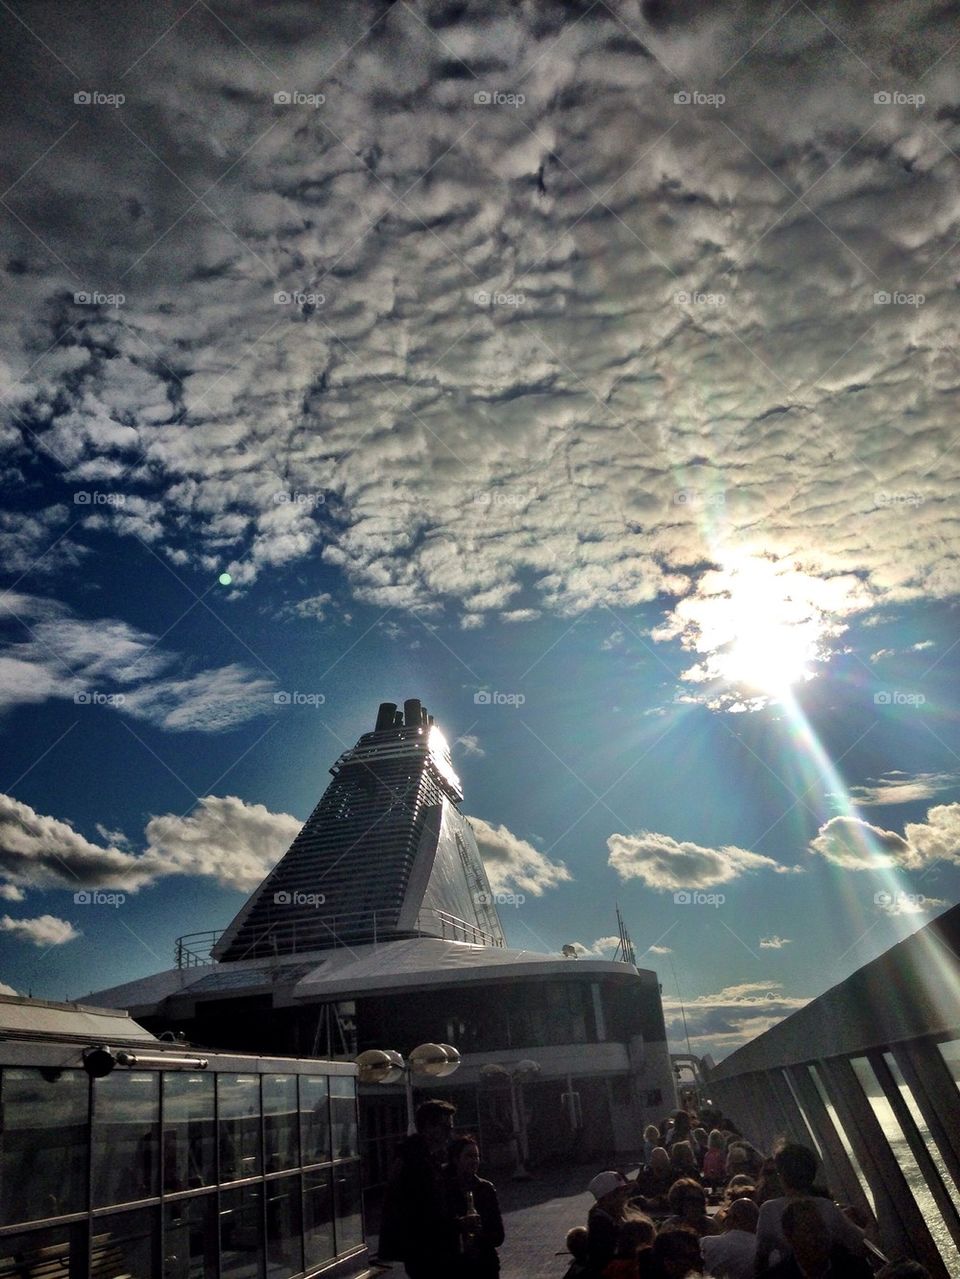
pixel 721 1022
pixel 392 381
pixel 664 863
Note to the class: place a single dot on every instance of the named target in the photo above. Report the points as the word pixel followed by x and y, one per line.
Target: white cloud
pixel 774 942
pixel 718 1023
pixel 231 841
pixel 512 864
pixel 7 990
pixel 11 893
pixel 471 745
pixel 660 950
pixel 664 863
pixel 44 930
pixel 602 948
pixel 209 702
pixel 901 788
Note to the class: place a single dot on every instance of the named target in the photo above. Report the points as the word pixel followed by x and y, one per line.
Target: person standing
pixel 475 1209
pixel 417 1226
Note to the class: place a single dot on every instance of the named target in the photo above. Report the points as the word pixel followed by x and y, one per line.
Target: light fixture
pixel 165 1061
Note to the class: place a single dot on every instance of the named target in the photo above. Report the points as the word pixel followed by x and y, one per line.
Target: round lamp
pixel 429 1059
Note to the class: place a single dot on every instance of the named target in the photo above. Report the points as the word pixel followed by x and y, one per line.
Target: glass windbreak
pixel 803 1114
pixel 40 1252
pixel 908 1164
pixel 284 1228
pixel 43 1144
pixel 346 1198
pixel 190 1238
pixel 906 1092
pixel 318 1216
pixel 238 1097
pixel 122 1245
pixel 241 1233
pixel 343 1115
pixel 842 1137
pixel 281 1144
pixel 314 1119
pixel 950 1052
pixel 189 1150
pixel 126 1137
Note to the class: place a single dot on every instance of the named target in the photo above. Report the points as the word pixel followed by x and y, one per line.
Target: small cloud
pixel 11 893
pixel 44 930
pixel 854 844
pixel 471 621
pixel 114 837
pixel 471 744
pixel 774 942
pixel 660 950
pixel 665 864
pixel 315 607
pixel 922 646
pixel 512 864
pixel 614 640
pixel 7 990
pixel 520 615
pixel 901 788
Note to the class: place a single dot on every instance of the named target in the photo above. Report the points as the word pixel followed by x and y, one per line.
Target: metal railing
pixel 350 928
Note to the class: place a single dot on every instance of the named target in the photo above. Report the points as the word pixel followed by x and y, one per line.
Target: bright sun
pixel 759 625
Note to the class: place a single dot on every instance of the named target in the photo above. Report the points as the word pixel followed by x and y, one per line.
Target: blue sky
pixel 630 404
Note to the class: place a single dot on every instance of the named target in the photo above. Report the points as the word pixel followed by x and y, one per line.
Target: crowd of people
pixel 704 1201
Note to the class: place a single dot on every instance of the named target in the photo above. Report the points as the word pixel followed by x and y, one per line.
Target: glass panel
pixel 346 1184
pixel 906 1092
pixel 284 1227
pixel 189 1154
pixel 317 1217
pixel 190 1238
pixel 239 1100
pixel 43 1144
pixel 842 1136
pixel 950 1052
pixel 241 1233
pixel 803 1113
pixel 280 1122
pixel 343 1114
pixel 24 1254
pixel 126 1137
pixel 314 1119
pixel 908 1165
pixel 122 1245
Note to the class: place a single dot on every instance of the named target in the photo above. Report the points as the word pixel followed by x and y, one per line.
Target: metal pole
pixel 408 1085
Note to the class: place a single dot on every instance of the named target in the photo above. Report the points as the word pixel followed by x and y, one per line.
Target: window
pixel 190 1238
pixel 189 1153
pixel 284 1228
pixel 126 1137
pixel 281 1143
pixel 239 1101
pixel 38 1248
pixel 343 1116
pixel 43 1156
pixel 908 1165
pixel 932 1150
pixel 841 1134
pixel 314 1119
pixel 317 1217
pixel 241 1233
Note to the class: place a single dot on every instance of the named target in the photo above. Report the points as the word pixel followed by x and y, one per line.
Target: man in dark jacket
pixel 416 1226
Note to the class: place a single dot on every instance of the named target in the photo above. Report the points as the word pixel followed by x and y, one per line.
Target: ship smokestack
pixel 412 712
pixel 385 716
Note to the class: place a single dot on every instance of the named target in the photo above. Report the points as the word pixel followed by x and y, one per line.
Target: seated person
pixel 814 1252
pixel 655 1180
pixel 715 1160
pixel 688 1202
pixel 797 1166
pixel 636 1233
pixel 675 1255
pixel 577 1242
pixel 732 1254
pixel 683 1160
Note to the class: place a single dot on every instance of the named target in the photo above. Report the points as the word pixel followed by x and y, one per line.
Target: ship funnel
pixel 385 716
pixel 412 712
